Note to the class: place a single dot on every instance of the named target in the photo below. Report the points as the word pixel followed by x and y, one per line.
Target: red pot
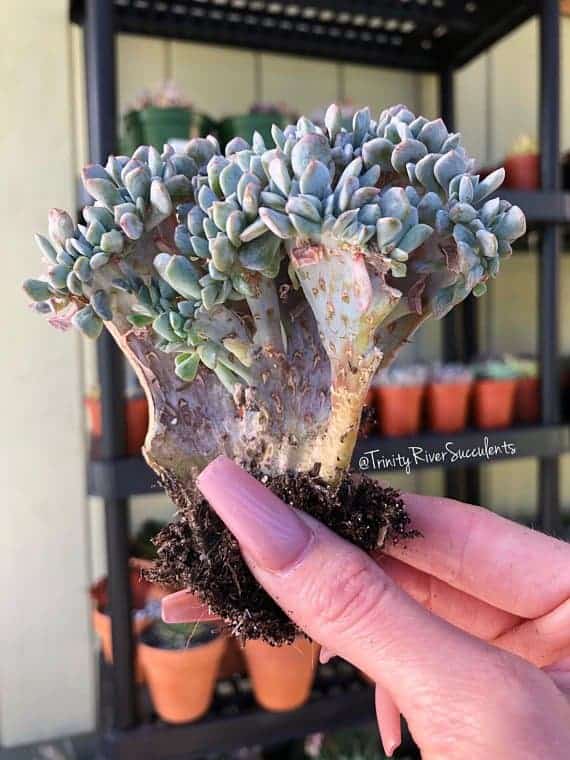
pixel 523 172
pixel 494 403
pixel 136 421
pixel 399 409
pixel 448 406
pixel 527 400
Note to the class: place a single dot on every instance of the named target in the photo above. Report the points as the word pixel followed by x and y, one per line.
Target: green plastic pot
pixel 132 132
pixel 244 126
pixel 159 125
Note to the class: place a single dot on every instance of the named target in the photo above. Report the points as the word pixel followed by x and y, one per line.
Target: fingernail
pixel 325 656
pixel 266 528
pixel 183 607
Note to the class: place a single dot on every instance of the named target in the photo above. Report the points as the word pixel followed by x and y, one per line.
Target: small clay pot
pixel 448 406
pixel 399 409
pixel 523 172
pixel 527 400
pixel 104 629
pixel 141 592
pixel 281 677
pixel 136 421
pixel 494 403
pixel 181 681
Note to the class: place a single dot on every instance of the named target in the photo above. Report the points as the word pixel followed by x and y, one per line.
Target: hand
pixel 442 624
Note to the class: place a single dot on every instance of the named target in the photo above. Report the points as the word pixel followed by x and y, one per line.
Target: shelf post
pixel 549 295
pixel 460 325
pixel 99 39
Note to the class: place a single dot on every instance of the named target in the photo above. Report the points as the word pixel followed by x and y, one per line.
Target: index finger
pixel 489 557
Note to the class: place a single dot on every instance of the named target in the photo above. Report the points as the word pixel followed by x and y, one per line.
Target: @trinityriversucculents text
pixel 449 453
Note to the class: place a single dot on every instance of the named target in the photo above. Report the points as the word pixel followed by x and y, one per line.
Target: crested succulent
pixel 257 293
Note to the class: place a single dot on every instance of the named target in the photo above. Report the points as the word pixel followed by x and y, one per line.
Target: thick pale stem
pixel 348 393
pixel 266 315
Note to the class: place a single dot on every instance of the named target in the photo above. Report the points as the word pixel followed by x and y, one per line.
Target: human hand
pixel 441 624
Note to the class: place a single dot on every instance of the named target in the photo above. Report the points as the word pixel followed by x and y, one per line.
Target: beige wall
pixel 52 539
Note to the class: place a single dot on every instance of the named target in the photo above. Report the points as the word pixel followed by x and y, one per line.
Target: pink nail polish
pixel 267 529
pixel 183 607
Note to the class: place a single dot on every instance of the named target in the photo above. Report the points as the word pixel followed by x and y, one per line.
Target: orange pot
pixel 523 172
pixel 136 421
pixel 154 591
pixel 282 677
pixel 182 681
pixel 448 406
pixel 103 628
pixel 399 409
pixel 494 403
pixel 527 400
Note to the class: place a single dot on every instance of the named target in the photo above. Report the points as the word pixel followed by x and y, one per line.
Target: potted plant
pixel 136 419
pixel 527 396
pixel 447 397
pixel 260 118
pixel 257 293
pixel 142 612
pixel 156 117
pixel 281 677
pixel 181 663
pixel 522 165
pixel 352 744
pixel 494 394
pixel 399 393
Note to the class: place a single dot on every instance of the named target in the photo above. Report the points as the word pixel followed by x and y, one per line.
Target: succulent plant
pixel 257 293
pixel 405 375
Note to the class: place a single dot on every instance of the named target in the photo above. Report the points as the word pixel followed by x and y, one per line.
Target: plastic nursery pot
pixel 159 125
pixel 494 403
pixel 182 681
pixel 101 620
pixel 523 171
pixel 399 409
pixel 527 400
pixel 244 126
pixel 133 135
pixel 136 420
pixel 447 406
pixel 103 627
pixel 281 677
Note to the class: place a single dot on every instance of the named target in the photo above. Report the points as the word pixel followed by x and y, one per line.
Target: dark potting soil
pixel 196 551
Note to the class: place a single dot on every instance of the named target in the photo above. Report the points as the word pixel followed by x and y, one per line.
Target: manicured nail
pixel 267 529
pixel 325 656
pixel 184 607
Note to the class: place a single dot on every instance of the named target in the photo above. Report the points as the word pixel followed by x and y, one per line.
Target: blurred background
pixel 52 534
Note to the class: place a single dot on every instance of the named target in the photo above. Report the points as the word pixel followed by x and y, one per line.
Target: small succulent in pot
pixel 522 165
pixel 448 396
pixel 256 294
pixel 494 393
pixel 399 394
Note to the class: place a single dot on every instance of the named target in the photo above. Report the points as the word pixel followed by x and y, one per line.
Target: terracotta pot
pixel 523 172
pixel 154 591
pixel 399 409
pixel 182 681
pixel 494 403
pixel 282 677
pixel 448 406
pixel 527 400
pixel 136 421
pixel 103 628
pixel 141 591
pixel 232 662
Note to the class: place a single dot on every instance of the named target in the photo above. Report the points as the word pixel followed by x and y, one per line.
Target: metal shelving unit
pixel 430 36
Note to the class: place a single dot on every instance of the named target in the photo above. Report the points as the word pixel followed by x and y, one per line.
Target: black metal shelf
pixel 405 34
pixel 340 698
pixel 131 476
pixel 541 207
pixel 420 35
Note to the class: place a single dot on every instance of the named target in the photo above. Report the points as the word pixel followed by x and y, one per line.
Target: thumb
pixel 339 596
